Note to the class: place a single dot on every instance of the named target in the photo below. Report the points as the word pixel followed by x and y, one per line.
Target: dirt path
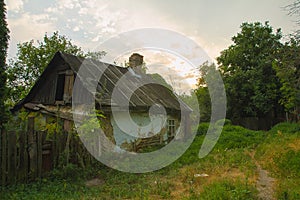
pixel 265 183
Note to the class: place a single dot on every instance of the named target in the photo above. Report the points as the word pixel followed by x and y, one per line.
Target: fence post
pixel 32 148
pixel 23 166
pixel 12 151
pixel 39 137
pixel 54 150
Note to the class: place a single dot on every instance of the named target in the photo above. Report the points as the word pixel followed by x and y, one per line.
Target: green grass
pixel 231 170
pixel 228 189
pixel 280 154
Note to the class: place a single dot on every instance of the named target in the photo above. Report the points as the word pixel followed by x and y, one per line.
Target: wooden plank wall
pixel 22 153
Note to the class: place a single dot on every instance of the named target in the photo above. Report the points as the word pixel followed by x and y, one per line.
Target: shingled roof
pixel 145 96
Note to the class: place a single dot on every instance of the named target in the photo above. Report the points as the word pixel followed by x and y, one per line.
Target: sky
pixel 209 23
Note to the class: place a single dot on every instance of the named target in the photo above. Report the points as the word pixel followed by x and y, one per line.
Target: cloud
pixel 158 58
pixel 15 5
pixel 28 27
pixel 68 4
pixel 91 20
pixel 76 28
pixel 190 75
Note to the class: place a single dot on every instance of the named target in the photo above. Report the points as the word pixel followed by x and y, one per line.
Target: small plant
pixel 162 188
pixel 228 189
pixel 69 172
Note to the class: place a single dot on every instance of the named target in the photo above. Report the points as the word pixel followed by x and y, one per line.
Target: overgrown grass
pixel 228 189
pixel 231 172
pixel 280 154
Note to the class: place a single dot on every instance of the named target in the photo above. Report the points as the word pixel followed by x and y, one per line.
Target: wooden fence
pixel 30 154
pixel 27 155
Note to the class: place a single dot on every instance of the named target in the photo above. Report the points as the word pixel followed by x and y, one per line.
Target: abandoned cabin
pixel 51 97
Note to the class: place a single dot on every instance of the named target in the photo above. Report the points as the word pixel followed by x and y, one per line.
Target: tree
pixel 31 60
pixel 287 68
pixel 202 92
pixel 251 83
pixel 4 37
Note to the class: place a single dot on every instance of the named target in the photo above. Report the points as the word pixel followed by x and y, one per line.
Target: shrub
pixel 69 172
pixel 239 137
pixel 202 128
pixel 286 127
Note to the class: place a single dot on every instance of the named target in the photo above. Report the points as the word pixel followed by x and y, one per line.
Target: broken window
pixel 60 85
pixel 64 86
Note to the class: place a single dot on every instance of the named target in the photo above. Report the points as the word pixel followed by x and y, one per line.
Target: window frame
pixel 171 128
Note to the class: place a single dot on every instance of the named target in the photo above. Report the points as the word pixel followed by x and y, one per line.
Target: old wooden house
pixel 52 97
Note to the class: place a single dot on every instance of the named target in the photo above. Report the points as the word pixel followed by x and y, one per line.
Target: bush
pixel 239 137
pixel 225 122
pixel 234 136
pixel 286 127
pixel 69 172
pixel 202 128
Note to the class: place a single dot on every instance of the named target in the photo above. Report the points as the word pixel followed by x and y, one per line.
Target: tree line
pixel 261 73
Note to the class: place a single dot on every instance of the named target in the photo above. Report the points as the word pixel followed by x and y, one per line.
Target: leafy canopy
pixel 33 57
pixel 287 68
pixel 250 81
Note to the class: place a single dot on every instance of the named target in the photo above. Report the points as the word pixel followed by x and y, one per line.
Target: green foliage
pixel 18 122
pixel 239 137
pixel 251 84
pixel 286 128
pixel 46 189
pixel 192 101
pixel 92 122
pixel 67 182
pixel 227 122
pixel 228 189
pixel 279 154
pixel 287 68
pixel 234 136
pixel 204 103
pixel 289 164
pixel 4 37
pixel 289 189
pixel 32 59
pixel 202 128
pixel 69 172
pixel 208 88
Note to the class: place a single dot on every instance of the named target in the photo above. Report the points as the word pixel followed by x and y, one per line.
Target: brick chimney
pixel 135 60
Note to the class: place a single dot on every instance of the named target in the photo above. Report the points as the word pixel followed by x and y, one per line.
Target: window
pixel 64 87
pixel 60 85
pixel 171 128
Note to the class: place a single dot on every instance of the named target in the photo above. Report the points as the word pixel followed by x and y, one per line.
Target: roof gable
pixel 144 96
